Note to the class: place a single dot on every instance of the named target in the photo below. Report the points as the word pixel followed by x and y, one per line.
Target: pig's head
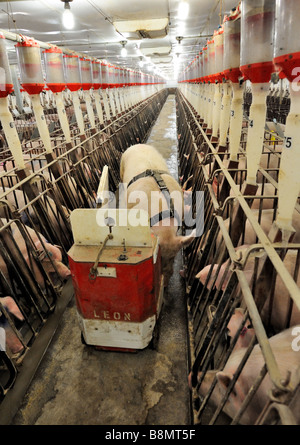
pixel 223 380
pixel 217 276
pixel 55 268
pixel 170 245
pixel 236 397
pixel 203 274
pixel 63 271
pixel 247 332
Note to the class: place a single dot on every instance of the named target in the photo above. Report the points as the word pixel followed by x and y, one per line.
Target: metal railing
pixel 35 236
pixel 240 274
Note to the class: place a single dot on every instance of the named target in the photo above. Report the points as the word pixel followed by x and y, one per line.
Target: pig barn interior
pixel 213 86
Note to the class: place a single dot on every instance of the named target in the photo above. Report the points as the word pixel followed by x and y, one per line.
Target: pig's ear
pixel 225 380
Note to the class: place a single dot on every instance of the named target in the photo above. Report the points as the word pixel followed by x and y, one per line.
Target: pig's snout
pixel 12 341
pixel 247 332
pixel 56 267
pixel 10 305
pixel 63 271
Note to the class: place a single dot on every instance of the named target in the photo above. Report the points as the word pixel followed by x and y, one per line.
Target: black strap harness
pixel 156 174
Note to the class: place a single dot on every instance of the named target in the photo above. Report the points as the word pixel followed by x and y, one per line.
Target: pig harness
pixel 156 174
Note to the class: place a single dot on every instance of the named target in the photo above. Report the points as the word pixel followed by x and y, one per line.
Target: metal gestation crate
pixel 116 272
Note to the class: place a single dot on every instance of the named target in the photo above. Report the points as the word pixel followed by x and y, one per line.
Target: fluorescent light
pixel 68 18
pixel 183 9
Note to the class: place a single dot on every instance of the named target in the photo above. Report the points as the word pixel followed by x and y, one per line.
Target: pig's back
pixel 287 358
pixel 138 158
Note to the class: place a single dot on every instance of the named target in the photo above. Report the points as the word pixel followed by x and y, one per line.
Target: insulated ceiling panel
pixel 94 33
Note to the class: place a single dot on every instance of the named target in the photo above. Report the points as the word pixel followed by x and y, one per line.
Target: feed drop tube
pixel 11 133
pixel 98 104
pixel 216 110
pixel 256 130
pixel 89 108
pixel 41 122
pixel 225 114
pixel 78 112
pixel 62 115
pixel 236 120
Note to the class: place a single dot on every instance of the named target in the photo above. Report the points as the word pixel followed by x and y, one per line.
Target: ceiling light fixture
pixel 183 9
pixel 123 50
pixel 67 17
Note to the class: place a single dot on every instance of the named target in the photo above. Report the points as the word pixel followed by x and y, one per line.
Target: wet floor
pixel 78 385
pixel 164 135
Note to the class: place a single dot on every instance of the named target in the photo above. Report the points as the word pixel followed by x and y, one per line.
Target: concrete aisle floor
pixel 78 385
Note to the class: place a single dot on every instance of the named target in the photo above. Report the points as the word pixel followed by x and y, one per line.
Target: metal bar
pixel 260 333
pixel 14 397
pixel 292 287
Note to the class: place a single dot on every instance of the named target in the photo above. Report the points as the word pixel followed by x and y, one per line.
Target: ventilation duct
pixel 143 29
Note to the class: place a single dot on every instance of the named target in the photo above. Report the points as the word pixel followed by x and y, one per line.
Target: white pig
pixel 135 160
pixel 281 298
pixel 53 251
pixel 287 358
pixel 12 341
pixel 246 334
pixel 17 200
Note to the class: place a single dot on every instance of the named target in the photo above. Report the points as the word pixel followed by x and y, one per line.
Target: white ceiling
pixel 94 33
